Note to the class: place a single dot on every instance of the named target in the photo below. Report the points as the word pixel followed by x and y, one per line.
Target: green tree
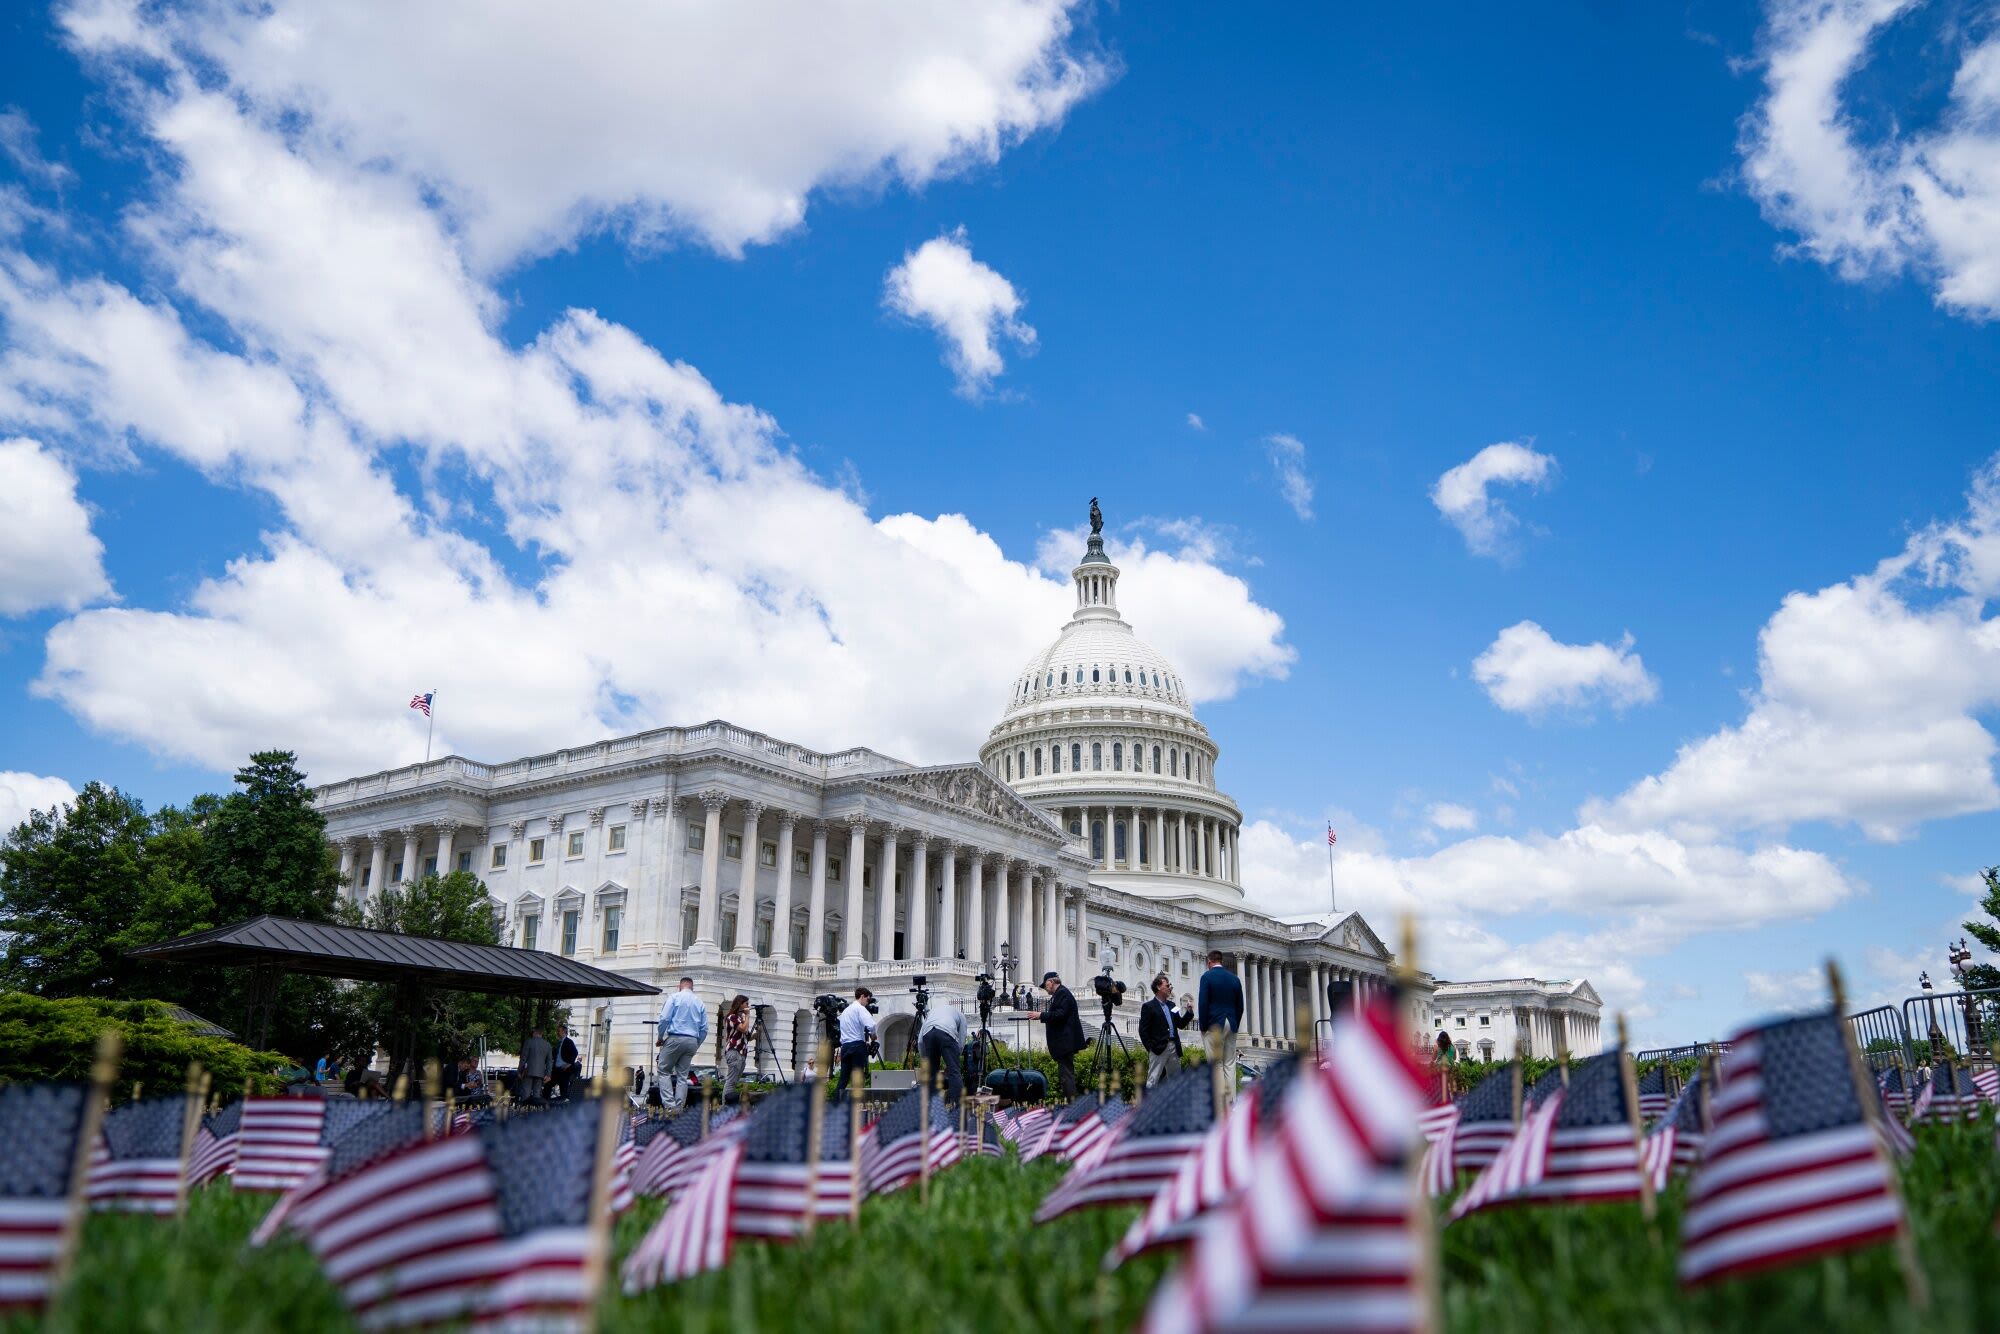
pixel 264 847
pixel 73 883
pixel 1987 933
pixel 420 1023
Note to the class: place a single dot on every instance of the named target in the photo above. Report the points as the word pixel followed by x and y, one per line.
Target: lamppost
pixel 1961 955
pixel 1932 1036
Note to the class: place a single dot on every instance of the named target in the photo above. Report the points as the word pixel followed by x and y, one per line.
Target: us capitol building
pixel 1091 828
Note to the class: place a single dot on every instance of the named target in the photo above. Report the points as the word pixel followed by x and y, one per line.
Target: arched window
pixel 1156 759
pixel 1096 755
pixel 1021 764
pixel 1055 759
pixel 1052 678
pixel 1093 676
pixel 1174 762
pixel 1076 757
pixel 1097 840
pixel 1038 761
pixel 1010 768
pixel 1128 676
pixel 1065 676
pixel 1118 841
pixel 1117 755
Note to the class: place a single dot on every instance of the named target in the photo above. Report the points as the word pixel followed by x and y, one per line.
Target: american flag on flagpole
pixel 1324 1236
pixel 1049 1134
pixel 1215 1173
pixel 490 1228
pixel 892 1156
pixel 280 1143
pixel 136 1165
pixel 42 1127
pixel 368 1131
pixel 421 702
pixel 694 1234
pixel 1331 837
pixel 1676 1138
pixel 1146 1150
pixel 1791 1169
pixel 1654 1095
pixel 215 1145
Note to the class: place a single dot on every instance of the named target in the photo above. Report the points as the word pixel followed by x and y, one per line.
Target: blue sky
pixel 562 367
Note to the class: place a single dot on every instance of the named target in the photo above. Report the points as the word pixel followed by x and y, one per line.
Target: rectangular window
pixel 689 918
pixel 530 927
pixel 614 838
pixel 764 938
pixel 1184 968
pixel 767 855
pixel 732 847
pixel 366 871
pixel 697 836
pixel 430 866
pixel 499 861
pixel 570 921
pixel 1484 1022
pixel 867 876
pixel 465 860
pixel 1458 1021
pixel 798 941
pixel 802 862
pixel 613 917
pixel 575 848
pixel 833 868
pixel 396 874
pixel 537 847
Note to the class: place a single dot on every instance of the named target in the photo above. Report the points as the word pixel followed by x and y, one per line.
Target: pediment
pixel 1583 991
pixel 1352 932
pixel 969 788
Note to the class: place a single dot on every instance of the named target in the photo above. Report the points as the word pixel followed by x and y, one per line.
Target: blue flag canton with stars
pixel 1114 1111
pixel 370 1139
pixel 224 1121
pixel 1491 1099
pixel 1538 1093
pixel 1596 1094
pixel 899 1120
pixel 778 1129
pixel 1077 1110
pixel 542 1165
pixel 39 1127
pixel 1182 1105
pixel 1891 1080
pixel 149 1128
pixel 1272 1084
pixel 1685 1114
pixel 1953 1080
pixel 344 1114
pixel 1808 1084
pixel 1654 1080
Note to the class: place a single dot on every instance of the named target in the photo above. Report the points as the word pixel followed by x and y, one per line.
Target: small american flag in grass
pixel 281 1142
pixel 1485 1122
pixel 1949 1095
pixel 1895 1092
pixel 1654 1093
pixel 215 1145
pixel 1791 1169
pixel 1676 1138
pixel 367 1133
pixel 41 1128
pixel 1147 1152
pixel 1024 1127
pixel 136 1167
pixel 1084 1142
pixel 893 1155
pixel 1322 1236
pixel 982 1137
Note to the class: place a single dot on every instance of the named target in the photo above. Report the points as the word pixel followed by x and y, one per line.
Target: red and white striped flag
pixel 1323 1236
pixel 1791 1169
pixel 136 1166
pixel 215 1145
pixel 892 1155
pixel 1145 1151
pixel 280 1142
pixel 1022 1128
pixel 1213 1175
pixel 42 1126
pixel 1521 1162
pixel 1084 1141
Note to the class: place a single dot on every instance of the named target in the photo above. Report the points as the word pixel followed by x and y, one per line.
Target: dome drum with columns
pixel 1092 828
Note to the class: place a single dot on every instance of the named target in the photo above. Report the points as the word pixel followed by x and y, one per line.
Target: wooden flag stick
pixel 103 1073
pixel 707 1104
pixel 197 1093
pixel 924 1135
pixel 1423 1221
pixel 1914 1282
pixel 1519 1057
pixel 854 1148
pixel 815 1139
pixel 1628 1074
pixel 597 1249
pixel 1705 1095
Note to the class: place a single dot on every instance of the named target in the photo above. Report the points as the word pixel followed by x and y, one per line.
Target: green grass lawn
pixel 975 1260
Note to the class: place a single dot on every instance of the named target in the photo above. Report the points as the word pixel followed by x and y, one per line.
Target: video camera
pixel 986 995
pixel 920 987
pixel 1108 989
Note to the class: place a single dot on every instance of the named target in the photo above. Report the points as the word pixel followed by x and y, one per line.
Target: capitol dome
pixel 1098 732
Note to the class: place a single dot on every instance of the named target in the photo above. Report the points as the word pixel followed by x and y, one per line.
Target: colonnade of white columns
pixel 1159 839
pixel 1271 996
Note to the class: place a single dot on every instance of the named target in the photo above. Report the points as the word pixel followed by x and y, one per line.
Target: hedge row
pixel 57 1039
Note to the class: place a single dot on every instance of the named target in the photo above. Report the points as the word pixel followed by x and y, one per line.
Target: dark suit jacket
pixel 1158 1026
pixel 1065 1024
pixel 566 1052
pixel 1220 1000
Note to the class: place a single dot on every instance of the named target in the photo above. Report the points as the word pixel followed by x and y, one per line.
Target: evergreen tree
pixel 1979 976
pixel 264 847
pixel 420 1023
pixel 72 882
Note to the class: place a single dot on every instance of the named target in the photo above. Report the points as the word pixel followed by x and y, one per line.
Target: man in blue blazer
pixel 1219 1005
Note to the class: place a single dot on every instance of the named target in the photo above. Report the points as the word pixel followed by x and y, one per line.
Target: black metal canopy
pixel 356 952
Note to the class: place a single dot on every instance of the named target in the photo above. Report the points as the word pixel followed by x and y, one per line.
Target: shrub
pixel 57 1039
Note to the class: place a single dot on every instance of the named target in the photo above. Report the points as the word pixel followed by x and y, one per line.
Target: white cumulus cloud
pixel 1450 815
pixel 21 794
pixel 1922 195
pixel 48 555
pixel 972 309
pixel 1462 493
pixel 1288 463
pixel 1527 670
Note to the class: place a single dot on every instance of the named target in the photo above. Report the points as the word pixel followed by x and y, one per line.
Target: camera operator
pixel 857 1030
pixel 942 1042
pixel 1159 1030
pixel 1065 1030
pixel 739 1027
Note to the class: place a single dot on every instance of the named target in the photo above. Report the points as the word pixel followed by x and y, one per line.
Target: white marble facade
pixel 1489 1021
pixel 1092 822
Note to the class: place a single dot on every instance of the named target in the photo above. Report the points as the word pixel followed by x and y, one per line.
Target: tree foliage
pixel 1987 932
pixel 42 1038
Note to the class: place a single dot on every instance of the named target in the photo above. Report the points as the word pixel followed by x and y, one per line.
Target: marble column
pixel 1003 930
pixel 885 896
pixel 916 934
pixel 816 907
pixel 1110 839
pixel 446 835
pixel 1249 995
pixel 347 860
pixel 1159 839
pixel 378 861
pixel 1052 905
pixel 975 911
pixel 1085 963
pixel 1317 1000
pixel 781 903
pixel 1027 909
pixel 1214 850
pixel 711 869
pixel 1180 842
pixel 746 882
pixel 850 917
pixel 948 902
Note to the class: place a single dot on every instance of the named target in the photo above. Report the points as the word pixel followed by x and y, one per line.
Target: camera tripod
pixel 1107 1034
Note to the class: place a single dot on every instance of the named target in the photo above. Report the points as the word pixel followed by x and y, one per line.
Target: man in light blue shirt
pixel 857 1026
pixel 682 1027
pixel 942 1043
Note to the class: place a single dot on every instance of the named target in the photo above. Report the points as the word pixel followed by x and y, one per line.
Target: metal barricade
pixel 1952 1025
pixel 1674 1055
pixel 1883 1037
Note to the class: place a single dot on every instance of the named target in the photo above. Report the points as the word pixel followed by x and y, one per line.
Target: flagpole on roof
pixel 1332 892
pixel 430 729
